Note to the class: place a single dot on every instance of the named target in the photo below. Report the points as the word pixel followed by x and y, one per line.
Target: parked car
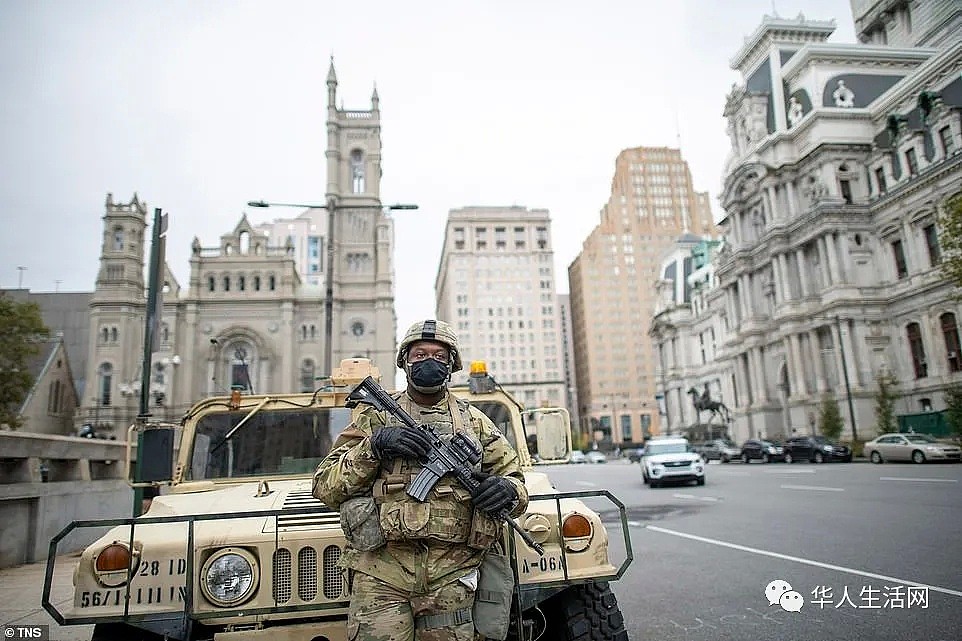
pixel 635 455
pixel 917 448
pixel 671 460
pixel 594 456
pixel 578 457
pixel 719 449
pixel 764 451
pixel 816 449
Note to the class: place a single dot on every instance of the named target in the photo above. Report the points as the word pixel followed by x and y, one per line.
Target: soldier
pixel 412 567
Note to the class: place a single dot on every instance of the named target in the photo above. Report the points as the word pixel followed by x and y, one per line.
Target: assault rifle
pixel 458 456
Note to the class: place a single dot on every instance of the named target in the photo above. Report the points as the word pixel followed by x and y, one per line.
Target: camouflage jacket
pixel 351 470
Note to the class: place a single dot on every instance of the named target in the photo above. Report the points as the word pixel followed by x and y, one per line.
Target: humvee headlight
pixel 576 530
pixel 229 577
pixel 113 564
pixel 538 527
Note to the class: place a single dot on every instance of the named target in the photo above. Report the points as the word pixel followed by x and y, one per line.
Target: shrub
pixel 830 422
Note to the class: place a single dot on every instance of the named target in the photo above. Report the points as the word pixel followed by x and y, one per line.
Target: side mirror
pixel 155 455
pixel 552 434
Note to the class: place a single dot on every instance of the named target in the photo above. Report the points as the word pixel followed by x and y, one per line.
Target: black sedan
pixel 764 451
pixel 816 449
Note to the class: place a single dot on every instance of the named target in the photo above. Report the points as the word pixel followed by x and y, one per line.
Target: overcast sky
pixel 202 106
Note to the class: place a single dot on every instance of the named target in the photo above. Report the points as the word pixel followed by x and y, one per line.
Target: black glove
pixel 494 494
pixel 400 442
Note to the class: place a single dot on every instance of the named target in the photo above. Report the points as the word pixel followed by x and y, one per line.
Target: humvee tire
pixel 587 612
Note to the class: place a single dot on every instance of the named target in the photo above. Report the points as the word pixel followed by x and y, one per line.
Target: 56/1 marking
pixel 542 564
pixel 138 596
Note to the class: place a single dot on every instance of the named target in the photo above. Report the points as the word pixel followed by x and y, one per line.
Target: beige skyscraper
pixel 496 286
pixel 612 290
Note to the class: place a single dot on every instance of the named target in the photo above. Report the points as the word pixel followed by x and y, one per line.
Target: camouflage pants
pixel 379 612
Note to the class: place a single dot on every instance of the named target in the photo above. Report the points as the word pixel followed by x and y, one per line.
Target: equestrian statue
pixel 703 403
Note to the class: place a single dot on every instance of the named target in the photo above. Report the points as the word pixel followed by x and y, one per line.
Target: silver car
pixel 917 448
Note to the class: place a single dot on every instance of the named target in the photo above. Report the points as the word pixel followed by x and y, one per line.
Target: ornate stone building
pixel 842 156
pixel 250 315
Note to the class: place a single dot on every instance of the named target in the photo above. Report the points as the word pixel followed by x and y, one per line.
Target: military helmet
pixel 431 330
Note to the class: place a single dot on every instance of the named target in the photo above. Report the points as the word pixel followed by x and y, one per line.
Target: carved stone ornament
pixel 795 111
pixel 844 97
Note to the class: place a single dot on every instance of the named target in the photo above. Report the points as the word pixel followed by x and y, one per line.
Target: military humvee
pixel 237 548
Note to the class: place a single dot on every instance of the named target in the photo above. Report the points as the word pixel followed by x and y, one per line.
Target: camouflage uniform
pixel 420 585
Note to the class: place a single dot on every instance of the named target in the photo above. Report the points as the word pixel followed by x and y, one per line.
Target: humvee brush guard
pixel 237 549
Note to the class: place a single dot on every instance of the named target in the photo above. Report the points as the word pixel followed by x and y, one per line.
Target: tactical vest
pixel 447 515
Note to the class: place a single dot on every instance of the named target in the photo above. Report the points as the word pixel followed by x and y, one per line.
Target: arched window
pixel 257 283
pixel 245 242
pixel 104 335
pixel 165 333
pixel 105 374
pixel 307 375
pixel 271 282
pixel 210 284
pixel 241 283
pixel 357 171
pixel 304 332
pixel 52 396
pixel 917 349
pixel 950 331
pixel 226 283
pixel 313 332
pixel 118 239
pixel 113 334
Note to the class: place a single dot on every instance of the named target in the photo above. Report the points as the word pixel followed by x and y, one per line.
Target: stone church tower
pixel 253 314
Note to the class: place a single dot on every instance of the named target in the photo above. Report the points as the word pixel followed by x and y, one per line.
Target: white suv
pixel 671 459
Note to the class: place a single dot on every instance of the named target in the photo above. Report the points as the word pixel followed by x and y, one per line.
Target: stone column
pixel 778 91
pixel 790 195
pixel 838 346
pixel 934 353
pixel 786 283
pixel 804 286
pixel 744 288
pixel 286 360
pixel 831 249
pixel 821 385
pixel 823 262
pixel 740 381
pixel 850 355
pixel 761 388
pixel 736 228
pixel 798 383
pixel 777 280
pixel 863 354
pixel 848 267
pixel 773 213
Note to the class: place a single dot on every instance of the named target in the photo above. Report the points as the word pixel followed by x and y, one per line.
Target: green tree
pixel 950 239
pixel 21 330
pixel 830 422
pixel 885 397
pixel 953 409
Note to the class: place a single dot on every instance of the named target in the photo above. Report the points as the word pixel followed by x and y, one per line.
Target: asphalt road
pixel 888 534
pixel 705 555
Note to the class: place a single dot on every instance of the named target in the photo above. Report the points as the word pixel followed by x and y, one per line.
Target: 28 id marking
pixel 541 565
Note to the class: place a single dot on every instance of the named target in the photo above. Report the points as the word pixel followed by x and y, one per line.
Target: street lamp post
pixel 848 389
pixel 331 207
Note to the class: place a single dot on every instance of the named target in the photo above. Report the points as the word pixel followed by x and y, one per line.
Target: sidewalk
pixel 21 589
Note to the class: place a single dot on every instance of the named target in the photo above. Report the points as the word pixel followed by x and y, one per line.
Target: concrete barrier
pixel 47 481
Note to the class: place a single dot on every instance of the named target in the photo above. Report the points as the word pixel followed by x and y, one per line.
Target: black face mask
pixel 428 375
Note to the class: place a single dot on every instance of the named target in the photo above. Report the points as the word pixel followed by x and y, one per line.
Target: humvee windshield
pixel 271 442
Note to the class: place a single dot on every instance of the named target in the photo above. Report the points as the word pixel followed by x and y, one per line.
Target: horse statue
pixel 703 403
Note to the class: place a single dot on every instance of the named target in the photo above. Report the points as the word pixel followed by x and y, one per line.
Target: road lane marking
pixel 813 487
pixel 694 496
pixel 733 473
pixel 906 478
pixel 786 557
pixel 588 483
pixel 802 471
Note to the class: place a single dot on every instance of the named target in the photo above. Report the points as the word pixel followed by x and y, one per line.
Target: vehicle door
pixel 901 449
pixel 753 449
pixel 803 449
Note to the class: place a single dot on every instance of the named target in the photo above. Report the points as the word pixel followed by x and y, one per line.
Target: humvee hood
pixel 237 498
